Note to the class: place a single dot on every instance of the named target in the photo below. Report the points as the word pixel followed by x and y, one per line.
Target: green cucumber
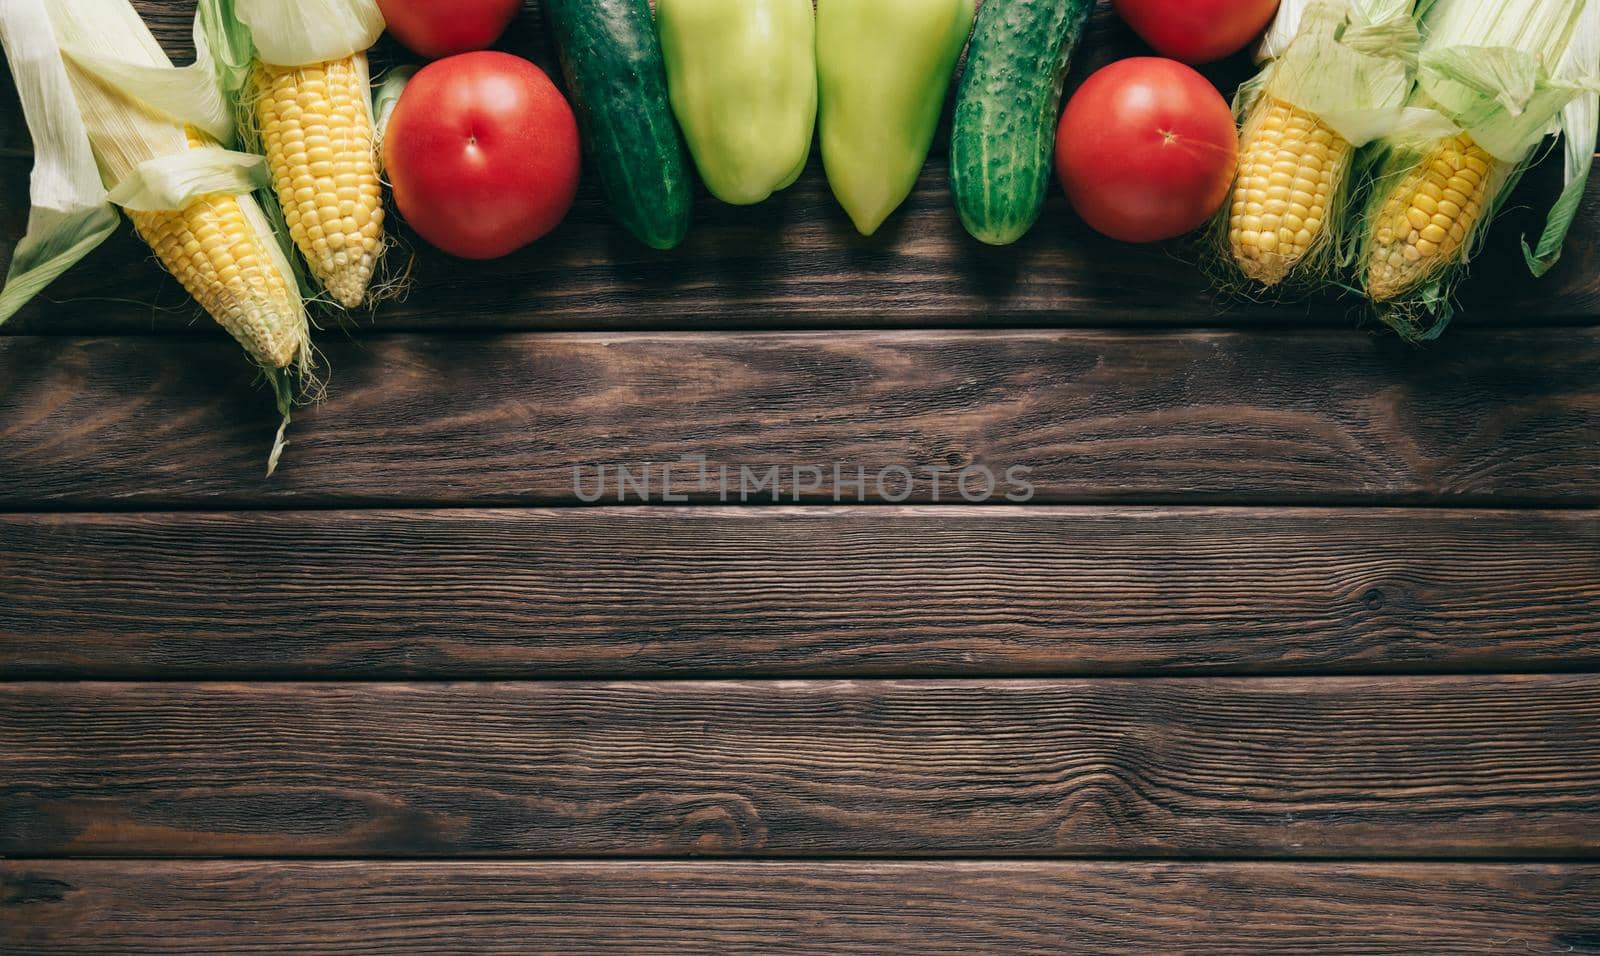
pixel 612 61
pixel 1007 108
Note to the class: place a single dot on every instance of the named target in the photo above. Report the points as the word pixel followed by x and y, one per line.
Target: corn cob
pixel 1428 216
pixel 316 130
pixel 1291 169
pixel 213 249
pixel 217 246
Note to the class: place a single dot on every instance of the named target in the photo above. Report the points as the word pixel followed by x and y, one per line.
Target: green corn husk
pixel 385 97
pixel 71 213
pixel 302 32
pixel 1580 129
pixel 1508 81
pixel 1351 64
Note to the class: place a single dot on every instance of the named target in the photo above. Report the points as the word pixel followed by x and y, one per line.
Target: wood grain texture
pixel 1314 418
pixel 1039 755
pixel 89 907
pixel 644 592
pixel 796 261
pixel 1414 766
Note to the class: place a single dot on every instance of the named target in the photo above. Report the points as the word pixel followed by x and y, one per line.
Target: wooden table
pixel 1295 646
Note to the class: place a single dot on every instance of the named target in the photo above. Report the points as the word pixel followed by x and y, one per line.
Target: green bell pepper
pixel 883 69
pixel 742 77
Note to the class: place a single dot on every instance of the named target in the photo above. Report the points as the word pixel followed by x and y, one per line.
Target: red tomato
pixel 1146 150
pixel 482 152
pixel 438 28
pixel 1197 31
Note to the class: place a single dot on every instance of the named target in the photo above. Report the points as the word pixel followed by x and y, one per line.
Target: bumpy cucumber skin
pixel 1007 107
pixel 612 61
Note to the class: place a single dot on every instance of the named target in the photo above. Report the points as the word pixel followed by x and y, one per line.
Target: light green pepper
pixel 883 69
pixel 742 77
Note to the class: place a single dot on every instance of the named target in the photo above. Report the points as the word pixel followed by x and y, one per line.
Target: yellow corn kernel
pixel 217 249
pixel 1425 221
pixel 317 134
pixel 1291 166
pixel 216 252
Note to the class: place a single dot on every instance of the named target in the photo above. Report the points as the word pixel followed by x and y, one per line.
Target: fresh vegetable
pixel 1426 214
pixel 188 198
pixel 883 69
pixel 612 61
pixel 312 102
pixel 1339 74
pixel 1494 81
pixel 742 78
pixel 223 252
pixel 436 29
pixel 1146 150
pixel 1006 111
pixel 1197 31
pixel 482 153
pixel 107 113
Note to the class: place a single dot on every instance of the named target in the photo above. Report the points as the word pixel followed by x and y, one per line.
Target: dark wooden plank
pixel 1355 767
pixel 795 261
pixel 84 907
pixel 796 591
pixel 1485 418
